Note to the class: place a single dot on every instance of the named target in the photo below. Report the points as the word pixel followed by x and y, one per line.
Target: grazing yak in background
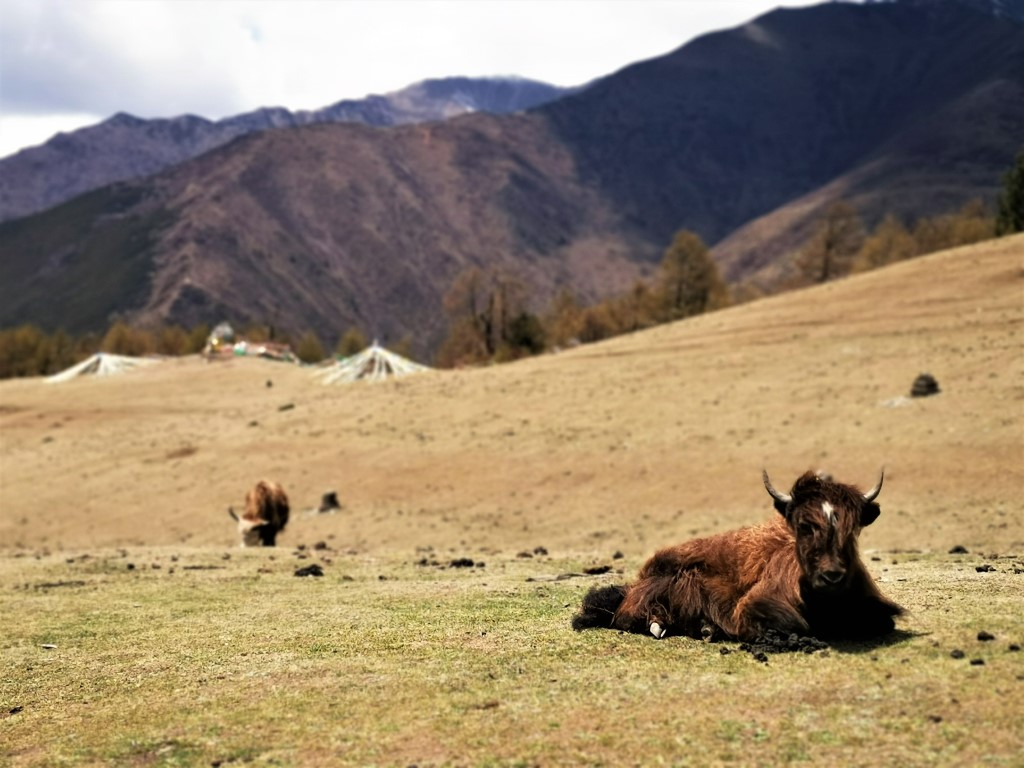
pixel 266 515
pixel 798 573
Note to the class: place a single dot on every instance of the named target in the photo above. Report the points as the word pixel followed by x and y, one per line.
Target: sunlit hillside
pixel 623 445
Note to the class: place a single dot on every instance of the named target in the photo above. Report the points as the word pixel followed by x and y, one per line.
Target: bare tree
pixel 486 312
pixel 835 244
pixel 888 243
pixel 563 322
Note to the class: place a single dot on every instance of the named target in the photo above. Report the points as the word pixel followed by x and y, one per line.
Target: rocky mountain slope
pixel 922 103
pixel 126 147
pixel 907 107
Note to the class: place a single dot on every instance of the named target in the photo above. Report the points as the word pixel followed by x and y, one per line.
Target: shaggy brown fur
pixel 799 572
pixel 266 515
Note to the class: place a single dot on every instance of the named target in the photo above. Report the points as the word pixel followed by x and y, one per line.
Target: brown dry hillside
pixel 910 108
pixel 624 445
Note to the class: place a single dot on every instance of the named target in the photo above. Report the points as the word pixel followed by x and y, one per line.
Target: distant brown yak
pixel 798 573
pixel 266 515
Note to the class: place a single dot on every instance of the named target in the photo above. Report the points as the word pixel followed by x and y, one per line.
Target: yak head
pixel 255 533
pixel 826 518
pixel 266 514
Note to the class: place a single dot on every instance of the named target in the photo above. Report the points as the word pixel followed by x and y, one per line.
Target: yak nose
pixel 832 577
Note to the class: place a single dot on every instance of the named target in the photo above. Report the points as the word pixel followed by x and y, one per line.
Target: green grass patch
pixel 188 658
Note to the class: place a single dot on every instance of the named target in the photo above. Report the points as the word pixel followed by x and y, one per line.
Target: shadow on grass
pixel 895 638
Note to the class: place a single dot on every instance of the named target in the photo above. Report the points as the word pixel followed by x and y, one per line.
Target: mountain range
pixel 910 107
pixel 128 147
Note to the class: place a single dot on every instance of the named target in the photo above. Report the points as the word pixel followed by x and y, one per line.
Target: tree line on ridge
pixel 490 317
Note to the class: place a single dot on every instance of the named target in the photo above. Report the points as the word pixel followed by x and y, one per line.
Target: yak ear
pixel 869 513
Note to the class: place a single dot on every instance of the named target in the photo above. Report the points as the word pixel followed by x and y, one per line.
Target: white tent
pixel 100 364
pixel 373 364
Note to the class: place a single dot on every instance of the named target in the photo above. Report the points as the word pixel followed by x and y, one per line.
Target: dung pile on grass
pixel 773 641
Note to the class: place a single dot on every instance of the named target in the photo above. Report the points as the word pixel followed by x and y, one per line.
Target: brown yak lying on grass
pixel 266 514
pixel 798 573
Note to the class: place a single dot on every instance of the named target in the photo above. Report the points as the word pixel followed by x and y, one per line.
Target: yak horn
pixel 873 493
pixel 782 498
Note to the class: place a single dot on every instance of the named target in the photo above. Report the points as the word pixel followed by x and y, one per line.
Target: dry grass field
pixel 175 648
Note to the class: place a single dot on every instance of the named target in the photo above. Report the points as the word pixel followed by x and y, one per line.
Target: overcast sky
pixel 69 63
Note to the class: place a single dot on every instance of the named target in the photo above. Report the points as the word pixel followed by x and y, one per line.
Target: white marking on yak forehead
pixel 829 511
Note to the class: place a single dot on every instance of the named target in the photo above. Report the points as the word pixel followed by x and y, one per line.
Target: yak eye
pixel 805 529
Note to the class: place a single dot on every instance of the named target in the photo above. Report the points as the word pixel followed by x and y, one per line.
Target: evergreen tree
pixel 1011 201
pixel 404 347
pixel 690 282
pixel 598 323
pixel 172 340
pixel 353 342
pixel 123 339
pixel 197 339
pixel 638 308
pixel 19 351
pixel 523 336
pixel 309 349
pixel 60 353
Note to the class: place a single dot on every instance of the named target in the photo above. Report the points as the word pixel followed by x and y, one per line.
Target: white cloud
pixel 161 58
pixel 104 56
pixel 19 132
